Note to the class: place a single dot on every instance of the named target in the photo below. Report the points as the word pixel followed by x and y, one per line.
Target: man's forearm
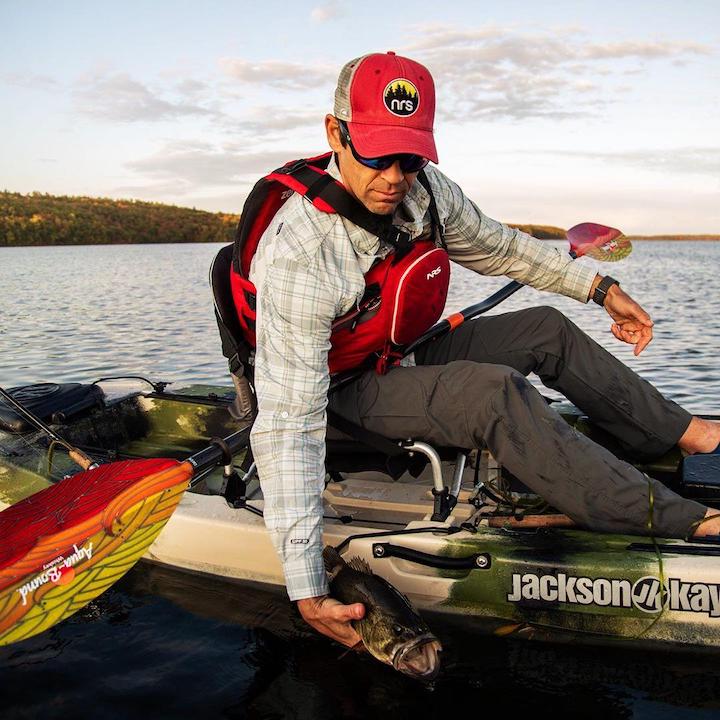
pixel 291 466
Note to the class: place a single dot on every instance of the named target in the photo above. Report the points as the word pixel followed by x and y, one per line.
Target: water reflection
pixel 275 668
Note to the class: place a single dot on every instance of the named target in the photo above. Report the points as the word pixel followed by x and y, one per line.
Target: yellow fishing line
pixel 658 553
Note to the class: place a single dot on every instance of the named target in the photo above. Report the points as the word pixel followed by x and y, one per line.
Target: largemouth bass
pixel 391 630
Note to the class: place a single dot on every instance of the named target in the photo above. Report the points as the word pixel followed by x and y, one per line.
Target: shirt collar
pixel 409 215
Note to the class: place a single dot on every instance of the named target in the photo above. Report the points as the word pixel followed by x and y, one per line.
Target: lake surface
pixel 79 313
pixel 164 644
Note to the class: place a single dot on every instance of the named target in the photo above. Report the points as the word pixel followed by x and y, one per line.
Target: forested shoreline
pixel 42 219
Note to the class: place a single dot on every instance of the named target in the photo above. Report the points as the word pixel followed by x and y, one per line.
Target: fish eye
pixel 397 629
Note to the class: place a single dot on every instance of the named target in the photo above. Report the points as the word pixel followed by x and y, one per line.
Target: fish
pixel 391 630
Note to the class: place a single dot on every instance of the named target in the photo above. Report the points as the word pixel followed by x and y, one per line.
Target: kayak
pixel 502 561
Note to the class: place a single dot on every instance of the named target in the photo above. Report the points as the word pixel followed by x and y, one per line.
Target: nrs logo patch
pixel 401 97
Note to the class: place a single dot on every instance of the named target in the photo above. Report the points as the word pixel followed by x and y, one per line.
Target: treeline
pixel 41 219
pixel 696 238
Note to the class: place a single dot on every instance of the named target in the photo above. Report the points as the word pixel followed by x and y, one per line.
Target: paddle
pixel 63 546
pixel 600 242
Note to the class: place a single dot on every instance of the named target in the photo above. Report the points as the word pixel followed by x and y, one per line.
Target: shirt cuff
pixel 305 577
pixel 578 282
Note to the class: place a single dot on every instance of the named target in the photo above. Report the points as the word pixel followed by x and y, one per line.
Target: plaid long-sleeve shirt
pixel 308 270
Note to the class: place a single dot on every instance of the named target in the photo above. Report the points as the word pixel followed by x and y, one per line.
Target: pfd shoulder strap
pixel 325 187
pixel 436 225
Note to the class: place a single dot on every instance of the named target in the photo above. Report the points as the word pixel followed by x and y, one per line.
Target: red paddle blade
pixel 599 242
pixel 63 546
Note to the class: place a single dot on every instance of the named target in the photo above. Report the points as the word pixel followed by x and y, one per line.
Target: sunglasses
pixel 409 163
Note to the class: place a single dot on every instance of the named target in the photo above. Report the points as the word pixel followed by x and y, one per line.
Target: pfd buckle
pixel 401 238
pixel 292 167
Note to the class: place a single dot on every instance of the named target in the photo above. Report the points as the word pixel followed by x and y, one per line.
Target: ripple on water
pixel 148 308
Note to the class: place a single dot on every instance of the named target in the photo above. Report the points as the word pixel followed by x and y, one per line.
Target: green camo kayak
pixel 504 561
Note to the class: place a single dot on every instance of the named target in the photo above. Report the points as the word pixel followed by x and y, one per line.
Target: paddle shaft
pixel 581 237
pixel 468 313
pixel 441 327
pixel 219 451
pixel 488 303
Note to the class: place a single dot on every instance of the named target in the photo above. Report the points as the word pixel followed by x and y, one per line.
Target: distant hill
pixel 41 219
pixel 705 238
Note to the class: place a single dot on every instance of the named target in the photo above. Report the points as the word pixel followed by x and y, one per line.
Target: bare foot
pixel 702 436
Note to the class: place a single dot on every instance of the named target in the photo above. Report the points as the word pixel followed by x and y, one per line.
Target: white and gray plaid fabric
pixel 308 270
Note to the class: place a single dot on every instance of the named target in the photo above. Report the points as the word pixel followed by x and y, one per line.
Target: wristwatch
pixel 601 290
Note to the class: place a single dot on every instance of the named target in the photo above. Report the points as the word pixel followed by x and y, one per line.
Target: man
pixel 466 389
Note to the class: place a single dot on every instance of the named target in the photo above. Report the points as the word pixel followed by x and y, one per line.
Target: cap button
pixel 390 52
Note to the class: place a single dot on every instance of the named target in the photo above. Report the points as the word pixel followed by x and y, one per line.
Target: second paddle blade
pixel 62 547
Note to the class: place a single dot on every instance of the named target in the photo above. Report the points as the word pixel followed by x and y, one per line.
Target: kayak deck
pixel 485 562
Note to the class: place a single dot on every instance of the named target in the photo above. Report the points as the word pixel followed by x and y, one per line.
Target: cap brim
pixel 376 140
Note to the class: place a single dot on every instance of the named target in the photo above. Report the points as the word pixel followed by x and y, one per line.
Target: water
pixel 78 313
pixel 169 645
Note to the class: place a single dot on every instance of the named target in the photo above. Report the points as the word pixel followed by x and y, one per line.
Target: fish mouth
pixel 419 658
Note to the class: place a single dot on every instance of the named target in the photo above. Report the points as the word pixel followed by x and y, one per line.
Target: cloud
pixel 32 81
pixel 274 73
pixel 192 166
pixel 120 98
pixel 500 72
pixel 267 120
pixel 328 11
pixel 686 160
pixel 191 88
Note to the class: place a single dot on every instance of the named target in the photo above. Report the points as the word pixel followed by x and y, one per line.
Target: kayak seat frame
pixel 350 447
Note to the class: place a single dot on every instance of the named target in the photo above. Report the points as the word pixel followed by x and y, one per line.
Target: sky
pixel 547 112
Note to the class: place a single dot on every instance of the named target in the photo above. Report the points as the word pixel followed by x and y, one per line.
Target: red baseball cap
pixel 388 103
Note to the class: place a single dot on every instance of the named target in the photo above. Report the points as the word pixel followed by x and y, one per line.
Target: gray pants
pixel 469 388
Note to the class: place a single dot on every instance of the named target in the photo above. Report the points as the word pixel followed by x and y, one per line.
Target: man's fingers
pixel 330 617
pixel 643 342
pixel 631 334
pixel 344 613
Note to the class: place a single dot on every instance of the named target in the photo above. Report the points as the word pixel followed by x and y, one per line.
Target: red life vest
pixel 405 292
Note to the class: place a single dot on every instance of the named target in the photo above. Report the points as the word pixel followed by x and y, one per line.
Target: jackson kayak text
pixel 646 594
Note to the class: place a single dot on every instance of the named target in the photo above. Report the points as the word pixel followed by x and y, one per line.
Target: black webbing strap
pixel 434 215
pixel 317 187
pixel 367 437
pixel 326 188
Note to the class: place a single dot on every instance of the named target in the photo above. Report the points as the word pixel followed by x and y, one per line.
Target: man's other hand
pixel 330 617
pixel 632 324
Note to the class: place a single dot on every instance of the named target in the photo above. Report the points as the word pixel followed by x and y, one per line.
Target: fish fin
pixel 357 563
pixel 332 559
